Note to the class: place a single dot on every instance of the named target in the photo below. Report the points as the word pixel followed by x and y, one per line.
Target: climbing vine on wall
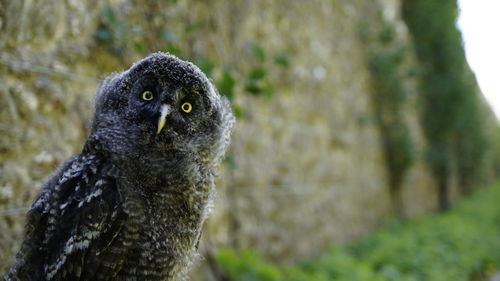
pixel 390 99
pixel 123 38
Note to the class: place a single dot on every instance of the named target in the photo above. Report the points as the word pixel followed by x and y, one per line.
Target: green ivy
pixel 122 38
pixel 385 59
pixel 112 31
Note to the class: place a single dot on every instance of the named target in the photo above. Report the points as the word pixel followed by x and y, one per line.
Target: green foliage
pixel 258 53
pixel 282 59
pixel 113 31
pixel 206 65
pixel 451 111
pixel 118 33
pixel 496 151
pixel 461 245
pixel 390 99
pixel 248 266
pixel 123 36
pixel 226 83
pixel 257 81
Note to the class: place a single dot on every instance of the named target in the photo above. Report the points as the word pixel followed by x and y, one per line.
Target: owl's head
pixel 161 109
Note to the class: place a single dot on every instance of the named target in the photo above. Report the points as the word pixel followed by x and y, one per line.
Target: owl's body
pixel 131 205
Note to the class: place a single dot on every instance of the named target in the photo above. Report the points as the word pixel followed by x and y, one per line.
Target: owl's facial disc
pixel 164 111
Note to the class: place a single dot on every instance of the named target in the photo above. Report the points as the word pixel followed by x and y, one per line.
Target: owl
pixel 131 205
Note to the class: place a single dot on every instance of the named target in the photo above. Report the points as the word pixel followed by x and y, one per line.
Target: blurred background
pixel 364 149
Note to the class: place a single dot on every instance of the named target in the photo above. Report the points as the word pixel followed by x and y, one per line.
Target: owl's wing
pixel 71 226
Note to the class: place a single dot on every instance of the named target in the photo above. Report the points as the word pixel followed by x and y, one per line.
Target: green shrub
pixel 461 245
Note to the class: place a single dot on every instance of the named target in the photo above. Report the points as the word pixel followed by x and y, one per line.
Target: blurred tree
pixel 451 111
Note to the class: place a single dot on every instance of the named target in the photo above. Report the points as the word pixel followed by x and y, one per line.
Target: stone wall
pixel 309 165
pixel 306 168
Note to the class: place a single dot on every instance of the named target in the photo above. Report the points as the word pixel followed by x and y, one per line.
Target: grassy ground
pixel 460 245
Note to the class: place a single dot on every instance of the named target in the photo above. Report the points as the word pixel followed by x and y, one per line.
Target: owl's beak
pixel 164 111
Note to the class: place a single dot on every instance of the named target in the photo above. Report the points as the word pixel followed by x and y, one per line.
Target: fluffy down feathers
pixel 131 205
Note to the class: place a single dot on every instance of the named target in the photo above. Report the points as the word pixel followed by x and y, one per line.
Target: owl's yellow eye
pixel 186 107
pixel 147 95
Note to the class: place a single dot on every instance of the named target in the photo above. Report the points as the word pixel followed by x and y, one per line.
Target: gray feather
pixel 132 204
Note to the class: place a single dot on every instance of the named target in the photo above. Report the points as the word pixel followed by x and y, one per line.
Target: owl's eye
pixel 147 95
pixel 186 107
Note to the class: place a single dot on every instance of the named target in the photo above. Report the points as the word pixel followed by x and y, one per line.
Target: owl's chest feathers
pixel 163 216
pixel 169 219
pixel 162 229
pixel 167 211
